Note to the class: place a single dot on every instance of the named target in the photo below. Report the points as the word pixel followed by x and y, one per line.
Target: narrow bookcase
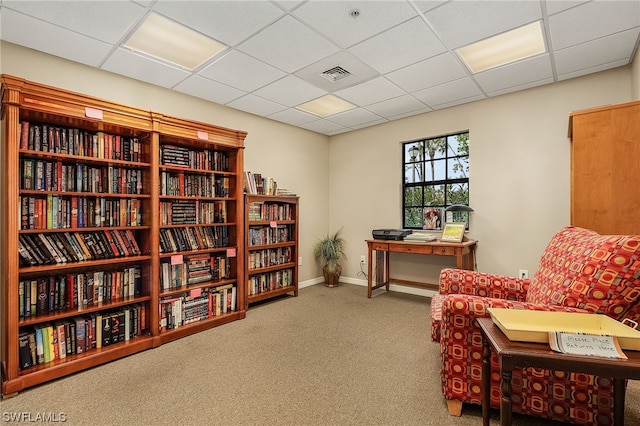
pixel 272 246
pixel 80 255
pixel 201 236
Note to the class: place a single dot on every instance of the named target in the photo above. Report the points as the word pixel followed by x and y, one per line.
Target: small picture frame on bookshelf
pixel 453 232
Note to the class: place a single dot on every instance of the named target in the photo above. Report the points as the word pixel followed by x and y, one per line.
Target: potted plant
pixel 328 251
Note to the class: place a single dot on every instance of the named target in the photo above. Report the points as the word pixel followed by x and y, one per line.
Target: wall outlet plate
pixel 523 273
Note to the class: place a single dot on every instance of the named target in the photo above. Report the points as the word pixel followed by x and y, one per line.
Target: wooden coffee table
pixel 513 354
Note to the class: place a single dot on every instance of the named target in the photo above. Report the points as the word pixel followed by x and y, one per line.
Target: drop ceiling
pixel 400 54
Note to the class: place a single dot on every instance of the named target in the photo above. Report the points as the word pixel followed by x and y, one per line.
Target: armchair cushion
pixel 581 268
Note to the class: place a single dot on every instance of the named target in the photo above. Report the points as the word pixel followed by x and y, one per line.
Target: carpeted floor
pixel 328 357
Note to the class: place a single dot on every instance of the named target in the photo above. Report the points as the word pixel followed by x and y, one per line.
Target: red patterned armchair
pixel 579 271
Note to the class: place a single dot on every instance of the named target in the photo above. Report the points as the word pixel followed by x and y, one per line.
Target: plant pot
pixel 331 279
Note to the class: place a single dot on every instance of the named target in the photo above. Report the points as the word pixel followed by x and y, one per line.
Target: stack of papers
pixel 420 237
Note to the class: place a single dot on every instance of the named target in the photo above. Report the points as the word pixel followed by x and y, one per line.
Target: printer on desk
pixel 390 234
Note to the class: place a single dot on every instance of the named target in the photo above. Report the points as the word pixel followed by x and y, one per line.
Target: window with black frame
pixel 435 176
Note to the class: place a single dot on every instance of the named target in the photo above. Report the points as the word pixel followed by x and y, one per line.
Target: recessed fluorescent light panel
pixel 326 106
pixel 164 39
pixel 504 48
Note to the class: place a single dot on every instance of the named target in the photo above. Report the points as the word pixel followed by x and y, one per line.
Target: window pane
pixel 413 196
pixel 458 193
pixel 435 170
pixel 434 195
pixel 413 217
pixel 435 148
pixel 458 167
pixel 413 173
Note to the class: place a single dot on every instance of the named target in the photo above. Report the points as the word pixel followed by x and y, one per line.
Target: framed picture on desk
pixel 453 232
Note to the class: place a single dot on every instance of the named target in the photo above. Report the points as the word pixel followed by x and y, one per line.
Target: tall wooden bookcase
pixel 81 258
pixel 272 246
pixel 605 147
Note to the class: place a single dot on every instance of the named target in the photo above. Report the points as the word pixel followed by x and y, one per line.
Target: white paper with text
pixel 586 344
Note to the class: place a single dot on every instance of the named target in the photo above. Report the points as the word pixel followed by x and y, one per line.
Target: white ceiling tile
pixel 54 40
pixel 256 105
pixel 369 124
pixel 521 87
pixel 358 71
pixel 333 18
pixel 452 91
pixel 555 6
pixel 396 106
pixel 324 126
pixel 210 90
pixel 427 73
pixel 591 70
pixel 289 4
pixel 288 45
pixel 290 91
pixel 403 45
pixel 593 20
pixel 369 92
pixel 241 71
pixel 229 22
pixel 515 74
pixel 354 117
pixel 107 21
pixel 461 22
pixel 293 116
pixel 617 47
pixel 410 114
pixel 459 102
pixel 127 63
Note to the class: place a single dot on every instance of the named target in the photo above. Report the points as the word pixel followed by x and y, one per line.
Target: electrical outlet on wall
pixel 523 273
pixel 363 259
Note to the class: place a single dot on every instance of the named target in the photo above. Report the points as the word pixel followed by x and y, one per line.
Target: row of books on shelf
pixel 58 212
pixel 182 212
pixel 73 141
pixel 39 296
pixel 193 238
pixel 193 185
pixel 194 269
pixel 261 283
pixel 269 257
pixel 269 235
pixel 42 175
pixel 256 184
pixel 42 249
pixel 270 211
pixel 53 341
pixel 205 159
pixel 197 305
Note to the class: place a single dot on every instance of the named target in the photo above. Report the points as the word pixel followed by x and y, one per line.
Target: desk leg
pixel 506 373
pixel 618 401
pixel 386 269
pixel 486 381
pixel 370 270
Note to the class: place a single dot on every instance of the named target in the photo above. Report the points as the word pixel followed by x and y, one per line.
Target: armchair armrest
pixel 473 283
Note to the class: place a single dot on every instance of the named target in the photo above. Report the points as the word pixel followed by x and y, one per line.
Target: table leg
pixel 505 388
pixel 486 381
pixel 618 401
pixel 370 270
pixel 387 268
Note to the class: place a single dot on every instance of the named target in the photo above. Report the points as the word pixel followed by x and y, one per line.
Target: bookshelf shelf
pixel 271 228
pixel 80 256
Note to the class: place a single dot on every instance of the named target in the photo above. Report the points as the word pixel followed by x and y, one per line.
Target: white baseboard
pixel 392 287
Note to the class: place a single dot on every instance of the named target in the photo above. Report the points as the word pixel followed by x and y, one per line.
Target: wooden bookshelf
pixel 80 197
pixel 201 237
pixel 271 227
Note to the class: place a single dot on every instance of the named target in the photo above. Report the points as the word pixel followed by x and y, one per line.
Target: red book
pixel 24 135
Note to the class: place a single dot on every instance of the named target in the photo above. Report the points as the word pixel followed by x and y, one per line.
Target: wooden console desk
pixel 464 253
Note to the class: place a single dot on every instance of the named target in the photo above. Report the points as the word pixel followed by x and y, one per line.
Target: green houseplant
pixel 328 251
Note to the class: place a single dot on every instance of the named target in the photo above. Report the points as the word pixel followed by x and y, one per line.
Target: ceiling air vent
pixel 336 73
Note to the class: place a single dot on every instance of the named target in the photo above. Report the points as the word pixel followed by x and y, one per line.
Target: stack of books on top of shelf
pixel 420 236
pixel 256 184
pixel 285 192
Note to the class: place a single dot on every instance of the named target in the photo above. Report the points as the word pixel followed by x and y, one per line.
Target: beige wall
pixel 635 78
pixel 519 170
pixel 298 159
pixel 519 164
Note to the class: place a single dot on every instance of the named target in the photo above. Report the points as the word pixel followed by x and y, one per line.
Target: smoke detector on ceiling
pixel 336 73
